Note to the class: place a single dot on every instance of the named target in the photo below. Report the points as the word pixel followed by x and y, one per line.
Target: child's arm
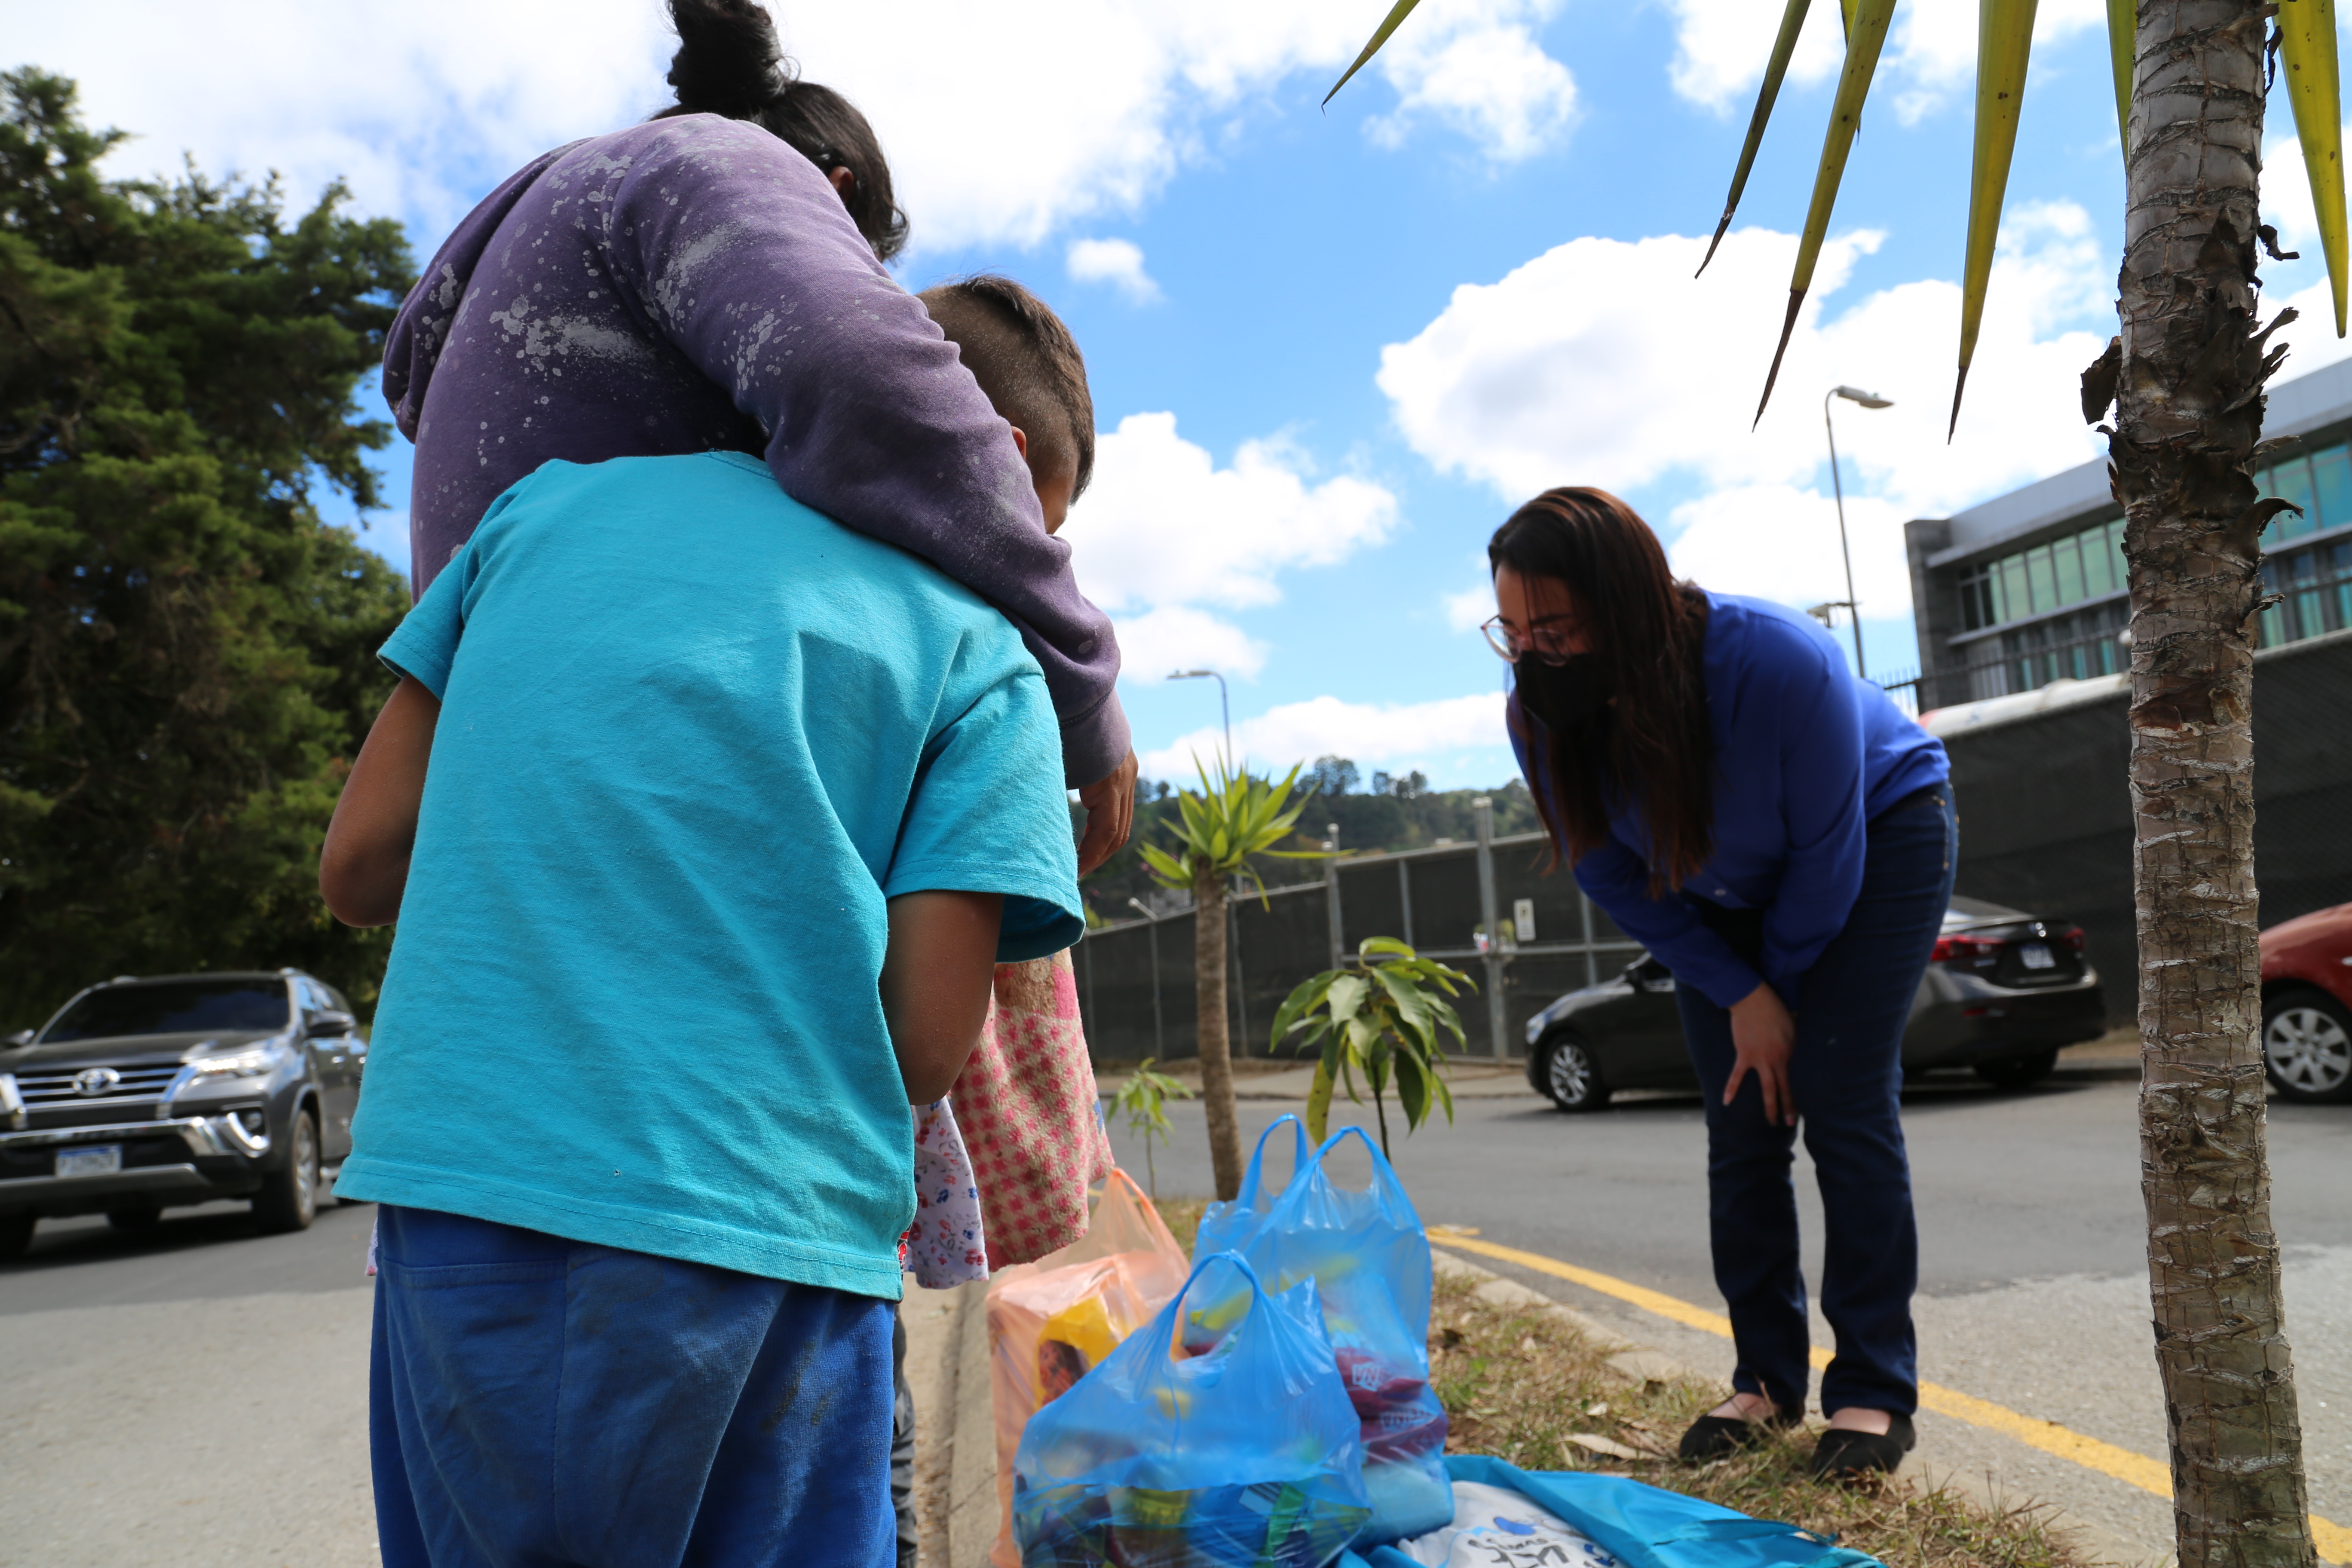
pixel 363 866
pixel 936 979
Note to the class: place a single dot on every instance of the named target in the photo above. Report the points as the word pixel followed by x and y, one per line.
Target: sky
pixel 1330 349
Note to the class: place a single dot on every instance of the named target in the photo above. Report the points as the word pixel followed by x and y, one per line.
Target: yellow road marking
pixel 2334 1541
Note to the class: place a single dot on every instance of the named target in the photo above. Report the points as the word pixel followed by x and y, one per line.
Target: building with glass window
pixel 2028 588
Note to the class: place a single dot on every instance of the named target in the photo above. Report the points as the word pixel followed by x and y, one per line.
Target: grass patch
pixel 1520 1383
pixel 1182 1218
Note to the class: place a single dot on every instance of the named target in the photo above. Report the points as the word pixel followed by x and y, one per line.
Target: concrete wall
pixel 2045 806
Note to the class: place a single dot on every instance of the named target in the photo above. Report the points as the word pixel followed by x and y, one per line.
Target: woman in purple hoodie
pixel 713 279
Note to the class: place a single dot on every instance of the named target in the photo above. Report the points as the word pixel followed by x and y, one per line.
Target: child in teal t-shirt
pixel 705 820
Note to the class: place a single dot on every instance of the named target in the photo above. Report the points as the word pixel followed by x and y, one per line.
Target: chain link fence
pixel 1135 978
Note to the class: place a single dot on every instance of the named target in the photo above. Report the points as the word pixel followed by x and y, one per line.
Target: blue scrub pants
pixel 539 1402
pixel 1847 1074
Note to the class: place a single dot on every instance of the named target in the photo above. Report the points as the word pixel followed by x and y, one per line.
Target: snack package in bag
pixel 1051 1321
pixel 1368 1257
pixel 1217 1436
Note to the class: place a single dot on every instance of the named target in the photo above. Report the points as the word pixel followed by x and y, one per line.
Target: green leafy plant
pixel 1220 829
pixel 1385 1018
pixel 1143 1101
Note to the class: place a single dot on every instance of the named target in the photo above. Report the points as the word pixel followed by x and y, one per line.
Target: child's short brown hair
pixel 1026 362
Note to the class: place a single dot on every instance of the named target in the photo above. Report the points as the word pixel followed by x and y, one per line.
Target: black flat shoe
pixel 1844 1453
pixel 1713 1437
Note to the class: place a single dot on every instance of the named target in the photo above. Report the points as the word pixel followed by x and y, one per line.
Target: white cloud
pixel 1118 262
pixel 1177 637
pixel 1373 734
pixel 1605 363
pixel 1474 67
pixel 1720 48
pixel 1470 608
pixel 997 133
pixel 1162 524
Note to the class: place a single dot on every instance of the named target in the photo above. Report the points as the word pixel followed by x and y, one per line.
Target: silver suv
pixel 146 1092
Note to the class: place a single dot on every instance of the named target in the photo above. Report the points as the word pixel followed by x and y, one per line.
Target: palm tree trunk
pixel 1216 1048
pixel 2192 362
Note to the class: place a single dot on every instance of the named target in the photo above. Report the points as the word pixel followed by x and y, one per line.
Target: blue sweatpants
pixel 1847 1075
pixel 539 1402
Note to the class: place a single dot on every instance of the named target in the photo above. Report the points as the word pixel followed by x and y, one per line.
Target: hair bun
pixel 729 60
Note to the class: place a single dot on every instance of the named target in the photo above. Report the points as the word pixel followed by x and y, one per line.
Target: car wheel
pixel 1572 1076
pixel 289 1199
pixel 2018 1072
pixel 134 1219
pixel 2307 1047
pixel 15 1234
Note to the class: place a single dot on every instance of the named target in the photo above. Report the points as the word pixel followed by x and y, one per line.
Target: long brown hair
pixel 1654 742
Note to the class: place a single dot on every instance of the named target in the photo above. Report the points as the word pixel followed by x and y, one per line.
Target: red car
pixel 2307 1005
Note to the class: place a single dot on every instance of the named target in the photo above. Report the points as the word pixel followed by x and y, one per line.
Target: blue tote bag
pixel 1367 1253
pixel 1217 1436
pixel 1642 1526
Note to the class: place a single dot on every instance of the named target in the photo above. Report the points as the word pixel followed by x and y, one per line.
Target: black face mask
pixel 1565 697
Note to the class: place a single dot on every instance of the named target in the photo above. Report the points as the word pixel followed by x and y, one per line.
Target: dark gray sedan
pixel 2003 993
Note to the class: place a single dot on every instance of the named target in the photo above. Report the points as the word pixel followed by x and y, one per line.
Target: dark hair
pixel 1653 741
pixel 1025 361
pixel 729 62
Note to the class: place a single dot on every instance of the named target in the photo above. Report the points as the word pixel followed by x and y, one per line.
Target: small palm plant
pixel 1232 819
pixel 1143 1101
pixel 1384 1018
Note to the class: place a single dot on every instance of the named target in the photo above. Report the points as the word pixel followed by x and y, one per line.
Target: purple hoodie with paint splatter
pixel 694 284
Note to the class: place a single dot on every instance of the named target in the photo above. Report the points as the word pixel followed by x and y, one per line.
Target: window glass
pixel 2013 587
pixel 2098 568
pixel 171 1007
pixel 2291 481
pixel 2069 558
pixel 2039 582
pixel 2331 473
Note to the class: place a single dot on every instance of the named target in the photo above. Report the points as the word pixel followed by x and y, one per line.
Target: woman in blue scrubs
pixel 1782 835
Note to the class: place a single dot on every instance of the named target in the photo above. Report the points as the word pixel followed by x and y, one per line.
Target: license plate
pixel 2036 957
pixel 102 1160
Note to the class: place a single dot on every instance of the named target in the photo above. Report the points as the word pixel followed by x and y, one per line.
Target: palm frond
pixel 1864 39
pixel 2004 46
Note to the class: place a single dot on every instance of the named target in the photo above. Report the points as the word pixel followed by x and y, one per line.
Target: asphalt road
pixel 197 1397
pixel 2033 1243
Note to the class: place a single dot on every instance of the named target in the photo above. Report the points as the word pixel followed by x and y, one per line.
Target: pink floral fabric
pixel 1025 1105
pixel 944 1247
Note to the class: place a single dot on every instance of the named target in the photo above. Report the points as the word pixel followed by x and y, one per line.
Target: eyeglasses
pixel 1546 641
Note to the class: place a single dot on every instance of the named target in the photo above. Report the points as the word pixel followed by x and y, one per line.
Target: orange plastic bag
pixel 1050 1321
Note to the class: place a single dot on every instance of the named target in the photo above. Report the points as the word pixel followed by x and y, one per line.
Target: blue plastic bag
pixel 1217 1436
pixel 1643 1526
pixel 1369 1255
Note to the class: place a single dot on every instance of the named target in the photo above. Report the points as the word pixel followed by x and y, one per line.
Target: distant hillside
pixel 1390 814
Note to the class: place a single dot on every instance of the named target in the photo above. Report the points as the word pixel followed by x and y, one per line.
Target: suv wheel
pixel 16 1236
pixel 2307 1047
pixel 2018 1072
pixel 289 1199
pixel 1572 1076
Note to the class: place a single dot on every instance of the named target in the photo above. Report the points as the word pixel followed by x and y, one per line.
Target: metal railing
pixel 1486 907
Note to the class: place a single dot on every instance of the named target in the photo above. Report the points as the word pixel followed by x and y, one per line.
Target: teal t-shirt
pixel 692 736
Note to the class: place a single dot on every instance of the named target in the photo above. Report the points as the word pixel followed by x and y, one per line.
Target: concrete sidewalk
pixel 1471 1078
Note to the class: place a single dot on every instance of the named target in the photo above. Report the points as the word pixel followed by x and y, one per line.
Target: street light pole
pixel 1837 485
pixel 1224 703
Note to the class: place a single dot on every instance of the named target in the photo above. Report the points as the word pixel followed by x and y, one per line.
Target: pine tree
pixel 186 650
